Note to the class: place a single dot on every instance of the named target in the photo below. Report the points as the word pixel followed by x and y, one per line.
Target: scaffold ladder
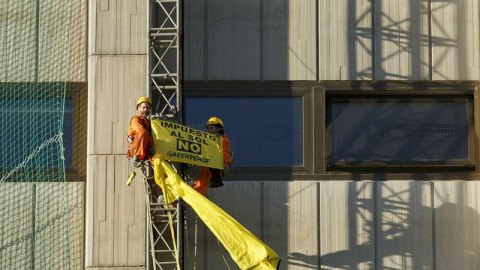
pixel 165 58
pixel 161 253
pixel 164 69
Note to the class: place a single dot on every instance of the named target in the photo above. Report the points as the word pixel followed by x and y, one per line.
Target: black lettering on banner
pixel 188 146
pixel 190 133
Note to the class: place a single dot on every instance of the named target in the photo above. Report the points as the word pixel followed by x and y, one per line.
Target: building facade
pixel 353 125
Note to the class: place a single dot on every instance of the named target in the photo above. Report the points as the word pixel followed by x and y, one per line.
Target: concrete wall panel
pixel 401 40
pixel 345 40
pixel 275 40
pixel 118 27
pixel 115 84
pixel 195 31
pixel 456 221
pixel 77 66
pixel 346 225
pixel 302 51
pixel 115 214
pixel 76 208
pixel 233 39
pixel 404 225
pixel 18 217
pixel 455 39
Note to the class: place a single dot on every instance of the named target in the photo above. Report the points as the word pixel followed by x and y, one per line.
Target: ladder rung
pixel 162 222
pixel 154 203
pixel 164 251
pixel 167 262
pixel 165 47
pixel 165 1
pixel 156 75
pixel 159 213
pixel 166 41
pixel 167 87
pixel 164 29
pixel 163 34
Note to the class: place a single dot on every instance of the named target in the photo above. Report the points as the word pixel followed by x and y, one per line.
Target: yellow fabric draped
pixel 244 247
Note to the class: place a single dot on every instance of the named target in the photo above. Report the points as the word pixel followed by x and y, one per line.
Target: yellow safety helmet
pixel 143 99
pixel 215 121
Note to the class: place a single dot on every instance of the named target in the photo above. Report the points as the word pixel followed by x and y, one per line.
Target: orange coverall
pixel 201 184
pixel 140 132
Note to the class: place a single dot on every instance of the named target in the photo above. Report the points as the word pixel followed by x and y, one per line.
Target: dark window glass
pixel 263 131
pixel 32 142
pixel 399 131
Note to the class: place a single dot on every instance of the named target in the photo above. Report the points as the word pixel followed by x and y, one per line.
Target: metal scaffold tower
pixel 165 57
pixel 164 67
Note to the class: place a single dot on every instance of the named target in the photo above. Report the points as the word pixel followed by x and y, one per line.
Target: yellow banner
pixel 180 143
pixel 245 248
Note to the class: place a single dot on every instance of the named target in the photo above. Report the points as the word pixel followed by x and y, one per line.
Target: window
pixel 263 131
pixel 413 131
pixel 30 131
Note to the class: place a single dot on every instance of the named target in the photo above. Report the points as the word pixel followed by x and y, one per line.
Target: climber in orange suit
pixel 140 142
pixel 209 176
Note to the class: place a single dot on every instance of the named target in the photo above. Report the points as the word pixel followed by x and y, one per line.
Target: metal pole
pixel 148 257
pixel 180 60
pixel 149 48
pixel 181 216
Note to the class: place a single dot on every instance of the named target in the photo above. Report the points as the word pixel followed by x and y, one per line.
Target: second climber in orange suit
pixel 140 142
pixel 209 176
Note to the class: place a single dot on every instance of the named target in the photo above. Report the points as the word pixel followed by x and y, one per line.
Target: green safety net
pixel 34 217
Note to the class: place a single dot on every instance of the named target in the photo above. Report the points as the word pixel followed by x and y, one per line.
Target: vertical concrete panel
pixel 275 219
pixel 302 48
pixel 13 232
pixel 77 67
pixel 19 45
pixel 233 37
pixel 303 225
pixel 404 218
pixel 76 208
pixel 106 213
pixel 15 47
pixel 345 40
pixel 242 201
pixel 195 243
pixel 347 225
pixel 275 40
pixel 456 222
pixel 118 27
pixel 129 218
pixel 116 84
pixel 455 40
pixel 195 33
pixel 117 217
pixel 289 47
pixel 401 40
pixel 262 208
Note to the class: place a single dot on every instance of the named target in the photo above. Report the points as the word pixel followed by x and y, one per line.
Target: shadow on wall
pixel 77 68
pixel 76 194
pixel 399 232
pixel 402 39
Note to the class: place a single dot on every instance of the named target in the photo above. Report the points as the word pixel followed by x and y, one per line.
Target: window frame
pixel 468 164
pixel 267 89
pixel 77 91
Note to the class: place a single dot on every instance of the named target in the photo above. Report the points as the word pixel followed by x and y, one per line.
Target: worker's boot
pixel 216 180
pixel 151 152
